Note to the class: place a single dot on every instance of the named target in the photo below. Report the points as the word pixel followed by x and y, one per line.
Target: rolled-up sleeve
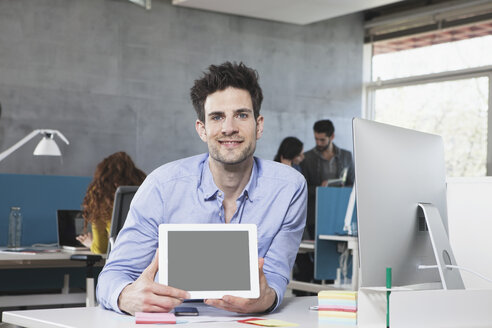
pixel 281 255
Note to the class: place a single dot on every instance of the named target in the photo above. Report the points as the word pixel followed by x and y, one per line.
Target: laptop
pixel 70 224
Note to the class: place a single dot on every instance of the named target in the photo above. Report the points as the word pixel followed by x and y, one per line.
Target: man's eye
pixel 242 115
pixel 216 117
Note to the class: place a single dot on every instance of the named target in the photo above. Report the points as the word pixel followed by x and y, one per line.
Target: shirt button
pixel 220 194
pixel 220 214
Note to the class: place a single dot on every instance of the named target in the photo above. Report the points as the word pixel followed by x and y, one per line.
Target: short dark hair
pixel 221 77
pixel 289 148
pixel 324 126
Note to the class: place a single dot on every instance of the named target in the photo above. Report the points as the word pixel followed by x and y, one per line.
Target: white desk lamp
pixel 46 147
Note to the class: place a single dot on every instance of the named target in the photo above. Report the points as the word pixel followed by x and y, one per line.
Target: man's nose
pixel 229 126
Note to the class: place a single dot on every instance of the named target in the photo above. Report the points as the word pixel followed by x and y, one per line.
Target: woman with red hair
pixel 115 170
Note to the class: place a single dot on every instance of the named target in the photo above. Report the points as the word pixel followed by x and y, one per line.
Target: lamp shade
pixel 47 146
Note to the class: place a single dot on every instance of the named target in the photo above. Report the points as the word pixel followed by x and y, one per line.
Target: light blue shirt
pixel 184 192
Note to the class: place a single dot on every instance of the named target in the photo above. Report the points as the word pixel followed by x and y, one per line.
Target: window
pixel 442 89
pixel 456 110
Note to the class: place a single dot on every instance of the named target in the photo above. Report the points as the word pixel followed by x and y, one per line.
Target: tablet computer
pixel 210 260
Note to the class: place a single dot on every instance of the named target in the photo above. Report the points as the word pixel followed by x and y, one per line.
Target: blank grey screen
pixel 208 260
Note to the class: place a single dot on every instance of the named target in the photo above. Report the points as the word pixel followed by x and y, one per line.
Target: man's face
pixel 322 140
pixel 230 129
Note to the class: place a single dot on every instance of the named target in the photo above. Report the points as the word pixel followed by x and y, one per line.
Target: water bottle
pixel 15 227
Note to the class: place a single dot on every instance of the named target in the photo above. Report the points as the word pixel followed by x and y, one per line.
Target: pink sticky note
pixel 147 317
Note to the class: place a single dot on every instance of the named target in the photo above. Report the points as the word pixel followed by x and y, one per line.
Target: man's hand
pixel 248 305
pixel 145 295
pixel 85 239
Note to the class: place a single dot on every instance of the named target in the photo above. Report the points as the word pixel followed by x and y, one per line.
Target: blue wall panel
pixel 38 196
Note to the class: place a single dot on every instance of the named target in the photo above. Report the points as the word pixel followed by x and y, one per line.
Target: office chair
pixel 122 199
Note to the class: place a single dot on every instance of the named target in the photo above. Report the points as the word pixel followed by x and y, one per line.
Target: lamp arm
pixel 62 137
pixel 19 144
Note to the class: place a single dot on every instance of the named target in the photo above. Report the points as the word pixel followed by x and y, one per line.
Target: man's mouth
pixel 230 142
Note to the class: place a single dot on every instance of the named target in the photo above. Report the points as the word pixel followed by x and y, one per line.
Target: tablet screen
pixel 209 260
pixel 196 260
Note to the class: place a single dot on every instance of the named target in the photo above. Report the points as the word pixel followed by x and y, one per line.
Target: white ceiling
pixel 288 11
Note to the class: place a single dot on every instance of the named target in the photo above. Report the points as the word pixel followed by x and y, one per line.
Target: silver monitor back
pixel 395 169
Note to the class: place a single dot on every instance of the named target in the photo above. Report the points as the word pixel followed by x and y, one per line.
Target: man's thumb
pixel 153 267
pixel 261 261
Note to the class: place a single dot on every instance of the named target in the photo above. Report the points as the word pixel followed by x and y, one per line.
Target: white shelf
pixel 338 237
pixel 306 245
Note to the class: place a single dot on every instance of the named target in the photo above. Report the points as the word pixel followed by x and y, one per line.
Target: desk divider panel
pixel 331 207
pixel 38 196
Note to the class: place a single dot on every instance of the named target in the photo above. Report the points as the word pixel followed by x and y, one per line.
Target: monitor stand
pixel 450 277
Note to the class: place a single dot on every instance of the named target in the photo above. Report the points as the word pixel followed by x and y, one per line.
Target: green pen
pixel 388 292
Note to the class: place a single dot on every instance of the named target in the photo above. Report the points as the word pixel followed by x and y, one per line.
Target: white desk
pixel 308 246
pixel 294 309
pixel 42 260
pixel 353 246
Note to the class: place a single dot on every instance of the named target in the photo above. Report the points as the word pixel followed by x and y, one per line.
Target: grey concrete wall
pixel 111 76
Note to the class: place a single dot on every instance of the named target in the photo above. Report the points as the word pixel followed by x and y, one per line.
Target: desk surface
pixel 42 260
pixel 35 261
pixel 293 309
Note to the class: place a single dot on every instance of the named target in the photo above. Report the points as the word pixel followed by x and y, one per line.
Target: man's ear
pixel 332 136
pixel 200 129
pixel 259 127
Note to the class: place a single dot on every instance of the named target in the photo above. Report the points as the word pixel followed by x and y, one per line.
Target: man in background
pixel 324 165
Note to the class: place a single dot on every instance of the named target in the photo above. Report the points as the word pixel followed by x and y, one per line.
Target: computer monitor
pixel 395 170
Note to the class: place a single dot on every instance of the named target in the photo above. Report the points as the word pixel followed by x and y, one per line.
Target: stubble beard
pixel 323 148
pixel 223 158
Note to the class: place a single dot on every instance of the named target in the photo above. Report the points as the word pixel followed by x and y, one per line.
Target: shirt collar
pixel 210 189
pixel 253 181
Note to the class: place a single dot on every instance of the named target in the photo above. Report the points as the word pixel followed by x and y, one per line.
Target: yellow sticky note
pixel 273 323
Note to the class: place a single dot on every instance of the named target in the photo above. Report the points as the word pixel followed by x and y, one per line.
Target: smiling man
pixel 226 185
